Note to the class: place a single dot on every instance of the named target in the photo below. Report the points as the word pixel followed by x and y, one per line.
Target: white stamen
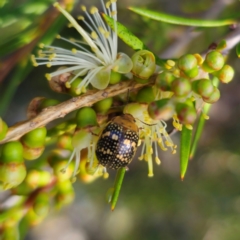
pixel 94 65
pixel 68 163
pixel 77 27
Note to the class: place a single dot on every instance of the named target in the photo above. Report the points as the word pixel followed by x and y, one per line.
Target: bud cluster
pixel 186 86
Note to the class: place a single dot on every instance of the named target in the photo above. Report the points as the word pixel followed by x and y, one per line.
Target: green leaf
pixel 238 49
pixel 199 129
pixel 185 144
pixel 117 186
pixel 163 17
pixel 123 33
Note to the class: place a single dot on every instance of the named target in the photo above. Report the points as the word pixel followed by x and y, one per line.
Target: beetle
pixel 118 142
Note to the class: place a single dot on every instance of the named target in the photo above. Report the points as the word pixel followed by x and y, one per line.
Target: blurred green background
pixel 206 205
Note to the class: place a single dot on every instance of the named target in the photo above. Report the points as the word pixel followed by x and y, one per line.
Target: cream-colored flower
pixel 152 133
pixel 93 65
pixel 85 139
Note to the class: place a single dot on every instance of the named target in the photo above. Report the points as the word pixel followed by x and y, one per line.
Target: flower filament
pixel 94 65
pixel 152 133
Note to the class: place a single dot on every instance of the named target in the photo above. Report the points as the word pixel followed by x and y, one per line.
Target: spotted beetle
pixel 118 142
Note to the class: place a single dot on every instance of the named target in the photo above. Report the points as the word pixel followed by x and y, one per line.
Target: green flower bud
pixel 22 189
pixel 12 174
pixel 145 95
pixel 65 194
pixel 181 87
pixel 61 172
pixel 143 64
pixel 32 153
pixel 164 81
pixel 115 77
pixel 226 74
pixel 74 89
pixel 12 216
pixel 103 106
pixel 48 103
pixel 213 97
pixel 86 116
pixel 65 142
pixel 191 73
pixel 58 164
pixel 37 178
pixel 162 109
pixel 187 62
pixel 186 113
pixel 135 109
pixel 35 138
pixel 203 87
pixel 61 128
pixel 12 168
pixel 41 205
pixel 214 61
pixel 33 143
pixel 3 129
pixel 12 152
pixel 32 218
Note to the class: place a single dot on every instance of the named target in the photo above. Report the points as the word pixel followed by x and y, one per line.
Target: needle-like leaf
pixel 163 17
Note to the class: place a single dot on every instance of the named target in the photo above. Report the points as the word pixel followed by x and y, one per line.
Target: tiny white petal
pixel 81 139
pixel 101 79
pixel 123 63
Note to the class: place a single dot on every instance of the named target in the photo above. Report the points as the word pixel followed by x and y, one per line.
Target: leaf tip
pixel 182 177
pixel 112 208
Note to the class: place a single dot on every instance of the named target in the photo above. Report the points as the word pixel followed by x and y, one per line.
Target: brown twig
pixel 59 111
pixel 32 197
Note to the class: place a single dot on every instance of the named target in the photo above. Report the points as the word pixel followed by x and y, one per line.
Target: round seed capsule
pixel 117 144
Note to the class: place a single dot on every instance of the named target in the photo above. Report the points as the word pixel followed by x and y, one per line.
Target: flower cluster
pixel 93 66
pixel 152 133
